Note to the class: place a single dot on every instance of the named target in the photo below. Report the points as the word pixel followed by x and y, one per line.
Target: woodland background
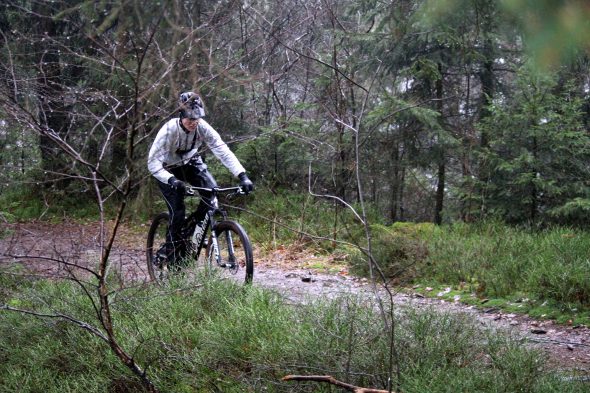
pixel 441 111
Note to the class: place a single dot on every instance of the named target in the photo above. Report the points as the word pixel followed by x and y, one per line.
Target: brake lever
pixel 239 191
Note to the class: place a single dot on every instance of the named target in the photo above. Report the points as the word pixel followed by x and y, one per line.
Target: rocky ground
pixel 49 248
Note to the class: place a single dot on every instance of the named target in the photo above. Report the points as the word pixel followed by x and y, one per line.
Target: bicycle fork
pixel 215 250
pixel 200 231
pixel 231 260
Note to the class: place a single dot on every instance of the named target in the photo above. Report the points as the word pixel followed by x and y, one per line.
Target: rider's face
pixel 190 124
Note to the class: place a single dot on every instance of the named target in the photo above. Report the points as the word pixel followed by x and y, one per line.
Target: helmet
pixel 191 105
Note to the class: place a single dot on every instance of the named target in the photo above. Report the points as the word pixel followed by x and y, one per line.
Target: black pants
pixel 196 175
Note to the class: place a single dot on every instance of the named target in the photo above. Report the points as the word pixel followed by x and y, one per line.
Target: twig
pixel 82 324
pixel 331 380
pixel 331 196
pixel 302 233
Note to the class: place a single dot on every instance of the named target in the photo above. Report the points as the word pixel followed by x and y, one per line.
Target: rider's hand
pixel 245 183
pixel 178 184
pixel 195 160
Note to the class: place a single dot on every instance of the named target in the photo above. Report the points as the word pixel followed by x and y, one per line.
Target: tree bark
pixel 440 188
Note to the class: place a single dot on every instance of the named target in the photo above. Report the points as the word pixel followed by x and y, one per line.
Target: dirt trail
pixel 42 244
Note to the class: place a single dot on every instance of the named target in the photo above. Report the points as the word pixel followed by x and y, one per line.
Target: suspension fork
pixel 215 244
pixel 230 248
pixel 214 255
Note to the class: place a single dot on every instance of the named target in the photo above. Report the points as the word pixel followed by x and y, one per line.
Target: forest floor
pixel 297 273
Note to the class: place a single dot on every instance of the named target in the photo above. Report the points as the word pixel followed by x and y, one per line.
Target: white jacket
pixel 172 147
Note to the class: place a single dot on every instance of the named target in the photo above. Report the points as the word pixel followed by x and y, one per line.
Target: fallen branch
pixel 332 381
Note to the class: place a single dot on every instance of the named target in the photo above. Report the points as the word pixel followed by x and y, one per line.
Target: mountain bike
pixel 228 250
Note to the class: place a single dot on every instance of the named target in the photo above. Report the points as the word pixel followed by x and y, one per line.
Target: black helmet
pixel 191 106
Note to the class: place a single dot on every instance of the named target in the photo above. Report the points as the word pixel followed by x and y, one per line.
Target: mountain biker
pixel 174 159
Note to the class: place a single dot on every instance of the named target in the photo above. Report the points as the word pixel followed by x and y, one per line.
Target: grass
pixel 227 338
pixel 549 310
pixel 548 268
pixel 28 203
pixel 489 260
pixel 287 217
pixel 543 273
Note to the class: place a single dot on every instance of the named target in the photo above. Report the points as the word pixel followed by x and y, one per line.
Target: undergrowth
pixel 543 272
pixel 28 202
pixel 222 337
pixel 285 217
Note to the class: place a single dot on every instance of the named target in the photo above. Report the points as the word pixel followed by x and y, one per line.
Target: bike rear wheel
pixel 183 267
pixel 156 240
pixel 235 252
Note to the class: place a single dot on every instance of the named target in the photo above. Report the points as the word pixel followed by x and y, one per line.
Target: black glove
pixel 195 160
pixel 178 184
pixel 245 183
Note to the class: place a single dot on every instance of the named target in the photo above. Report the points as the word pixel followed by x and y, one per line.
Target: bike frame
pixel 209 223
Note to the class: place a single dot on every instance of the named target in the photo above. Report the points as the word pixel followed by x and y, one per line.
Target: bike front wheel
pixel 233 254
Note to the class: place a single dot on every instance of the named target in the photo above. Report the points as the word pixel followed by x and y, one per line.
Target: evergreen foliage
pixel 539 151
pixel 436 89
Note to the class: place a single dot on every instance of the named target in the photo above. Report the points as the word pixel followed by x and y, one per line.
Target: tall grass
pixel 490 258
pixel 222 337
pixel 399 250
pixel 31 202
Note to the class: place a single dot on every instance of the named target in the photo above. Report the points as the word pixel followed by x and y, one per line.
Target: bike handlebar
pixel 191 190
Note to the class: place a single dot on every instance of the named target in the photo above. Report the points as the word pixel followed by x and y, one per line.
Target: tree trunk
pixel 487 80
pixel 395 184
pixel 440 188
pixel 486 76
pixel 440 194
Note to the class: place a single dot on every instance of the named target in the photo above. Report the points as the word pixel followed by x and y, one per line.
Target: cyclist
pixel 174 159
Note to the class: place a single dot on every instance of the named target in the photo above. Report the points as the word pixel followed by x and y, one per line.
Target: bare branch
pixel 84 325
pixel 332 381
pixel 300 53
pixel 333 197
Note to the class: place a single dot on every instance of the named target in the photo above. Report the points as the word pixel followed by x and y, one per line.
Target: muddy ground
pixel 294 273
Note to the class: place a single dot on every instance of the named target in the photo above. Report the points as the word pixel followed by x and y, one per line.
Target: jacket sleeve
pixel 220 149
pixel 158 153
